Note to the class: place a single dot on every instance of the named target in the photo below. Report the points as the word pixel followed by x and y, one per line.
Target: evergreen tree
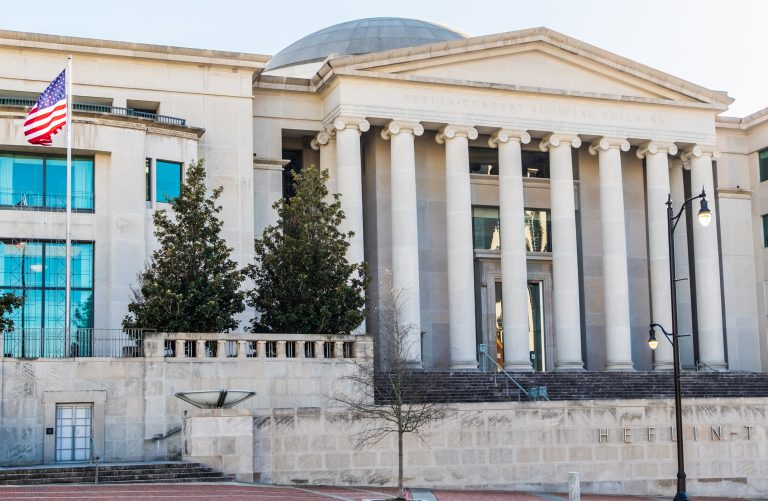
pixel 190 283
pixel 304 283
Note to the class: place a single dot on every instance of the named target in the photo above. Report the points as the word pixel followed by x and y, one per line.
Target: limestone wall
pixel 133 398
pixel 616 446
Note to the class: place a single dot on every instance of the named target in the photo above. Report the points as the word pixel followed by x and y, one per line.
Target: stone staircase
pixel 475 386
pixel 112 473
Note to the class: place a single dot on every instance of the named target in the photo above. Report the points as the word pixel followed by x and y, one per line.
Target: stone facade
pixel 133 400
pixel 618 447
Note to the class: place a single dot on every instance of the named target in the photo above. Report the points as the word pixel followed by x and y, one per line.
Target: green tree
pixel 190 283
pixel 8 302
pixel 304 283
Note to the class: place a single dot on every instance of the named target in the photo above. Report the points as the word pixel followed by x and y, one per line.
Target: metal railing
pixel 50 200
pixel 58 343
pixel 500 369
pixel 94 459
pixel 23 102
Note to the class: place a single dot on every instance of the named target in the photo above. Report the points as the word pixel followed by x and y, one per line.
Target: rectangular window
pixel 290 349
pixel 765 230
pixel 34 270
pixel 309 349
pixel 148 179
pixel 538 230
pixel 486 161
pixel 40 181
pixel 167 180
pixel 762 157
pixel 270 349
pixel 485 228
pixel 328 349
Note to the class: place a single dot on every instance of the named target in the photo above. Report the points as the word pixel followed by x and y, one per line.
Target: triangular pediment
pixel 532 60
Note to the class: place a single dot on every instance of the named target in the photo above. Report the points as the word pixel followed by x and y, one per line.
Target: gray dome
pixel 362 37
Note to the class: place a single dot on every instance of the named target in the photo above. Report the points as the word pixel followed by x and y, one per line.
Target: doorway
pixel 536 344
pixel 73 432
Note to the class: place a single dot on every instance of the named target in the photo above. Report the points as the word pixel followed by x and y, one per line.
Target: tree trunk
pixel 400 463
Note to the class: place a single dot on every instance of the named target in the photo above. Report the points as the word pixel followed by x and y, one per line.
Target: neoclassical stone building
pixel 514 185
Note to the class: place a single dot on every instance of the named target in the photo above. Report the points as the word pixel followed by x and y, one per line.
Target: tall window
pixel 294 158
pixel 40 181
pixel 486 229
pixel 763 159
pixel 167 180
pixel 765 230
pixel 35 270
pixel 148 179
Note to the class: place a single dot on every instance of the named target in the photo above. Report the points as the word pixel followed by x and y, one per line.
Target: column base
pixel 569 365
pixel 620 366
pixel 663 366
pixel 464 365
pixel 413 365
pixel 518 367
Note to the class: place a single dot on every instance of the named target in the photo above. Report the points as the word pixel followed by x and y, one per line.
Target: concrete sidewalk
pixel 251 492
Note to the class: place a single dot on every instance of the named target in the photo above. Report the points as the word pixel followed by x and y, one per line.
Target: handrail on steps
pixel 501 369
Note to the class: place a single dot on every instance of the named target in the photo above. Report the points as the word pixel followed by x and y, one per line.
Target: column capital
pixel 653 147
pixel 699 151
pixel 451 131
pixel 557 138
pixel 359 124
pixel 322 138
pixel 506 135
pixel 396 127
pixel 608 143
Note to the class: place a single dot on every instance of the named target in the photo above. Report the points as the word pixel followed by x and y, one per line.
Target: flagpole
pixel 68 252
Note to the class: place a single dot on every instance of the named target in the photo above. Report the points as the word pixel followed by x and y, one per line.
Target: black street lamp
pixel 705 216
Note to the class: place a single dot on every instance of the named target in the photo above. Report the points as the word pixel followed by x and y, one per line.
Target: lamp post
pixel 704 216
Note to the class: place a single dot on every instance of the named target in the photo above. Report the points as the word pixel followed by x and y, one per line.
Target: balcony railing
pixel 51 200
pixel 22 102
pixel 57 343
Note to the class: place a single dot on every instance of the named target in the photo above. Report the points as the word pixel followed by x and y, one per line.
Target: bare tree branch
pixel 387 402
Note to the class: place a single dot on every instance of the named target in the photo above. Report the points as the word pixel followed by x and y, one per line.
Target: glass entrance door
pixel 535 326
pixel 73 432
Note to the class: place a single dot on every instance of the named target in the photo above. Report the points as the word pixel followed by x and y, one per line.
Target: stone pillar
pixel 514 273
pixel 565 262
pixel 405 234
pixel 657 189
pixel 706 254
pixel 461 275
pixel 349 182
pixel 618 335
pixel 684 311
pixel 325 142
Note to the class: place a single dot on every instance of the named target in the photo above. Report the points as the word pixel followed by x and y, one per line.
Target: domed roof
pixel 361 37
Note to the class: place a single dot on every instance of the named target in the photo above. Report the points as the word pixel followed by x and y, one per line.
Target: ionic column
pixel 461 286
pixel 684 312
pixel 349 182
pixel 514 273
pixel 405 233
pixel 657 189
pixel 618 336
pixel 706 259
pixel 325 142
pixel 565 262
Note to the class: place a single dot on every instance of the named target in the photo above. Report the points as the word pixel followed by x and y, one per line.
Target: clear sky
pixel 719 44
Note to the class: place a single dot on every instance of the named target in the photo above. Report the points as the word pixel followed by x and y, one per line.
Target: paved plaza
pixel 250 492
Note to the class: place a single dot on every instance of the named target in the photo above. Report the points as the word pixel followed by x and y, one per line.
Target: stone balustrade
pixel 259 346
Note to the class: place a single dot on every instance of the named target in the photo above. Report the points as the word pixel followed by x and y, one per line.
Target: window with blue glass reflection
pixel 486 229
pixel 40 181
pixel 167 180
pixel 35 270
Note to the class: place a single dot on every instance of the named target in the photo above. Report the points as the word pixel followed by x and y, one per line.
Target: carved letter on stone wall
pixel 717 432
pixel 749 432
pixel 603 435
pixel 627 435
pixel 651 434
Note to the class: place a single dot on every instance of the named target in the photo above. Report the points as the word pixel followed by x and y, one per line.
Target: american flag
pixel 49 114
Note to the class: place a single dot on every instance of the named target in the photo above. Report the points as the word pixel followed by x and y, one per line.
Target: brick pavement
pixel 250 492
